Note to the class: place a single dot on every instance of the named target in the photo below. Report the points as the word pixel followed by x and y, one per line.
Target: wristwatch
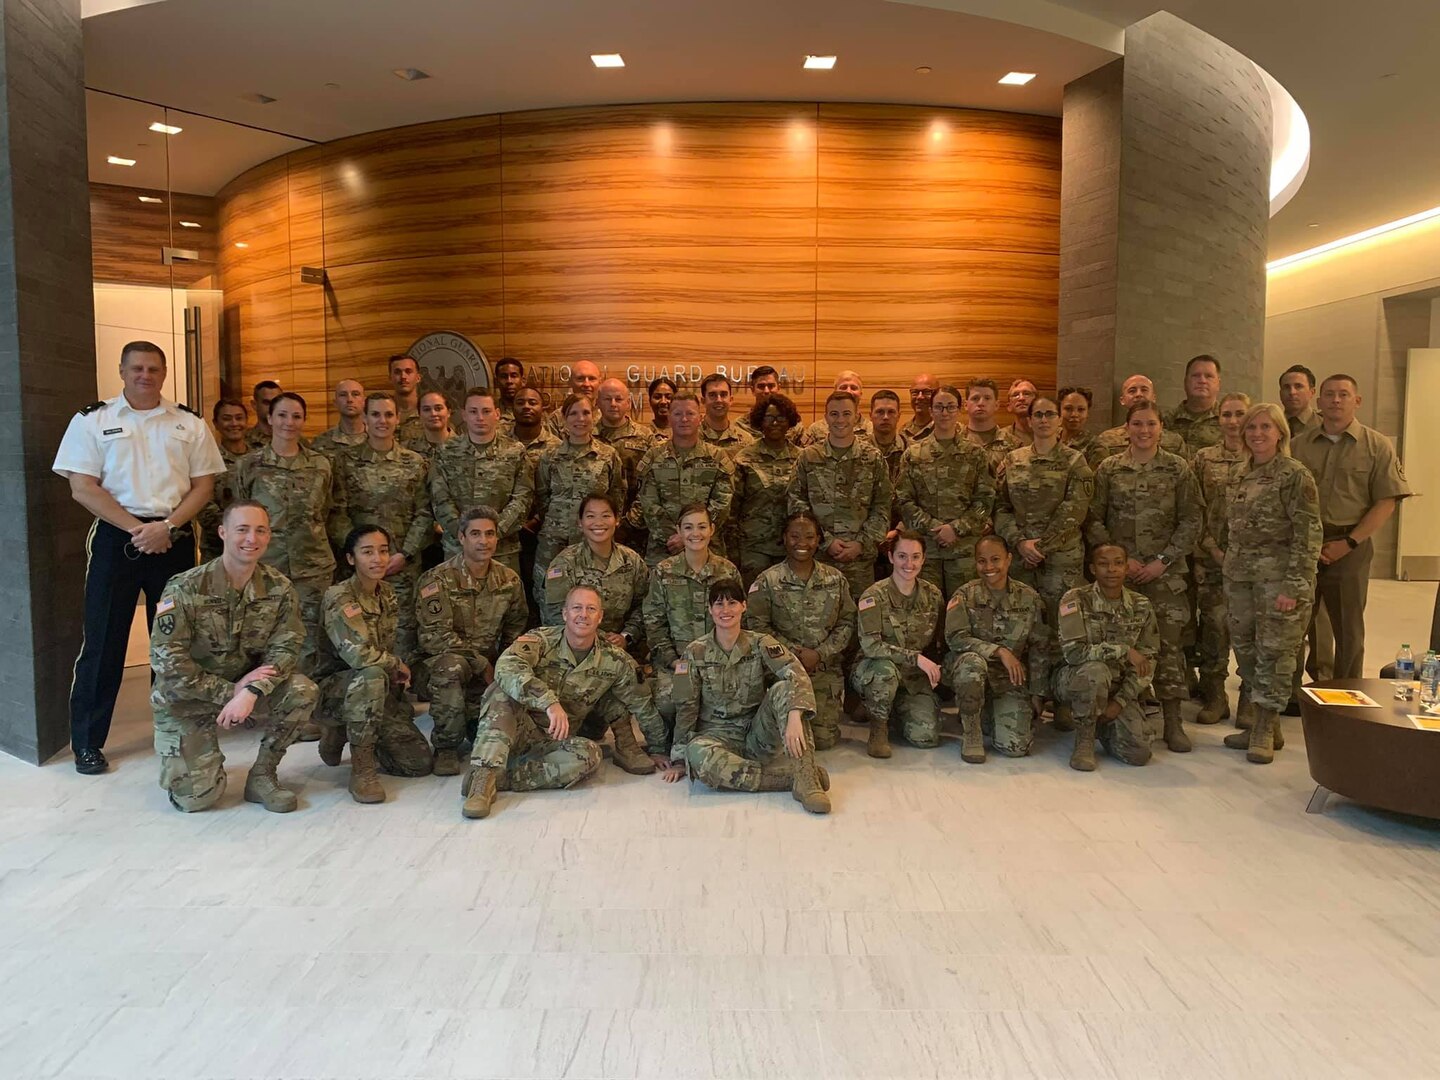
pixel 254 689
pixel 1352 542
pixel 1164 559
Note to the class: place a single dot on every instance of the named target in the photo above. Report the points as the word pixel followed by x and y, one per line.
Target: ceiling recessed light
pixel 1017 78
pixel 166 129
pixel 257 99
pixel 1313 225
pixel 113 160
pixel 819 63
pixel 151 199
pixel 190 224
pixel 924 70
pixel 241 244
pixel 410 74
pixel 607 60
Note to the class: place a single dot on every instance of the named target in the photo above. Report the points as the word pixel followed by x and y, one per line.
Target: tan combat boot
pixel 1245 714
pixel 972 740
pixel 1063 718
pixel 779 775
pixel 879 745
pixel 1262 738
pixel 480 787
pixel 263 787
pixel 309 731
pixel 1082 758
pixel 1175 737
pixel 807 789
pixel 629 754
pixel 1217 703
pixel 447 762
pixel 332 743
pixel 364 783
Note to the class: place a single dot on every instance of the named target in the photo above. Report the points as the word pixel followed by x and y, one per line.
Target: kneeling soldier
pixel 552 679
pixel 227 638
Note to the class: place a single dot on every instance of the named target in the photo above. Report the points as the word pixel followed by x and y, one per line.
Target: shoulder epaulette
pixel 186 408
pixel 92 407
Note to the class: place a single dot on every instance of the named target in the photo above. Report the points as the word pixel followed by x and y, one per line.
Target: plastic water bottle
pixel 1404 674
pixel 1430 683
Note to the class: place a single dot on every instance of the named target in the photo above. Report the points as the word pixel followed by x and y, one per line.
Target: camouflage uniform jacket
pixel 1153 508
pixel 894 626
pixel 818 433
pixel 817 614
pixel 915 431
pixel 671 478
pixel 719 692
pixel 1196 430
pixel 208 634
pixel 894 452
pixel 1094 628
pixel 729 442
pixel 332 440
pixel 467 616
pixel 540 669
pixel 296 492
pixel 1089 448
pixel 675 609
pixel 945 483
pixel 566 473
pixel 383 487
pixel 1044 497
pixel 632 443
pixel 256 437
pixel 359 629
pixel 848 490
pixel 1217 471
pixel 997 442
pixel 408 429
pixel 1275 530
pixel 536 446
pixel 427 449
pixel 1116 440
pixel 622 582
pixel 467 474
pixel 762 475
pixel 978 621
pixel 213 512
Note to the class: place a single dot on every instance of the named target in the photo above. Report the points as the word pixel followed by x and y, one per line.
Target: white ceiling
pixel 1375 152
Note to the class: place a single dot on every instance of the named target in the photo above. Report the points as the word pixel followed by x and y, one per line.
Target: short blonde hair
pixel 1236 395
pixel 1277 417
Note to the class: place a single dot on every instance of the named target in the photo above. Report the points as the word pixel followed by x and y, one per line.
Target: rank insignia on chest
pixel 774 651
pixel 866 603
pixel 431 589
pixel 1069 608
pixel 352 611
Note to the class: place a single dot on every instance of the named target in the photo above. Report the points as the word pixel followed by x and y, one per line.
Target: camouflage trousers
pixel 1265 640
pixel 374 713
pixel 407 642
pixel 983 688
pixel 1087 690
pixel 1060 572
pixel 310 591
pixel 829 686
pixel 890 695
pixel 949 568
pixel 860 573
pixel 1212 645
pixel 192 768
pixel 454 685
pixel 1172 615
pixel 513 738
pixel 731 757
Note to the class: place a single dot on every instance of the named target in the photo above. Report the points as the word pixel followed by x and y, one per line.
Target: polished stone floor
pixel 1187 919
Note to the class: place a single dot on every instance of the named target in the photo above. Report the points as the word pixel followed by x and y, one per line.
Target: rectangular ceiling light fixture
pixel 190 224
pixel 166 129
pixel 150 198
pixel 410 74
pixel 113 160
pixel 607 60
pixel 819 63
pixel 1017 78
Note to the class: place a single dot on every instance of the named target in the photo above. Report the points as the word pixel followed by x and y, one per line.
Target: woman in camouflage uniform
pixel 1075 402
pixel 762 473
pixel 230 419
pixel 616 572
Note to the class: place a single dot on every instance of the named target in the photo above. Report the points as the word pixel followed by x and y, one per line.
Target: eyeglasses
pixel 1045 414
pixel 944 408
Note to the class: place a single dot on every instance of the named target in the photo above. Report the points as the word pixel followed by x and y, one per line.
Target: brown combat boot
pixel 629 754
pixel 1082 758
pixel 879 745
pixel 779 775
pixel 807 789
pixel 447 762
pixel 1245 714
pixel 480 787
pixel 364 783
pixel 1175 737
pixel 1262 738
pixel 332 743
pixel 263 787
pixel 972 740
pixel 309 731
pixel 1063 718
pixel 1217 703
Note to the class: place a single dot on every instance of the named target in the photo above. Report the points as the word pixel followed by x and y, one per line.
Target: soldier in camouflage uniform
pixel 981 402
pixel 675 610
pixel 1042 498
pixel 1075 404
pixel 405 389
pixel 1270 564
pixel 470 607
pixel 483 468
pixel 1147 499
pixel 226 640
pixel 762 478
pixel 434 430
pixel 1197 419
pixel 846 382
pixel 764 381
pixel 676 472
pixel 294 484
pixel 897 618
pixel 922 392
pixel 229 418
pixel 885 430
pixel 362 678
pixel 842 480
pixel 552 682
pixel 350 431
pixel 581 465
pixel 1110 643
pixel 1217 470
pixel 584 382
pixel 744 709
pixel 999 658
pixel 946 493
pixel 630 441
pixel 382 483
pixel 716 428
pixel 616 572
pixel 529 428
pixel 1111 441
pixel 266 391
pixel 807 606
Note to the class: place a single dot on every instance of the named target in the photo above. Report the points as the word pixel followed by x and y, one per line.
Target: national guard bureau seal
pixel 450 363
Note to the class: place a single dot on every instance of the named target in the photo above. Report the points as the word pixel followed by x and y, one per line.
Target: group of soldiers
pixel 736 586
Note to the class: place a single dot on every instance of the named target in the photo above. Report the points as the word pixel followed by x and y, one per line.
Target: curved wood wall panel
pixel 889 239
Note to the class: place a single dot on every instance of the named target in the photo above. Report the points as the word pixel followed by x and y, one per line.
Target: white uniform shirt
pixel 144 459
